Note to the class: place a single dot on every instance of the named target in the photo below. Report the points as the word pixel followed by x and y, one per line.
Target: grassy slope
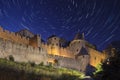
pixel 10 70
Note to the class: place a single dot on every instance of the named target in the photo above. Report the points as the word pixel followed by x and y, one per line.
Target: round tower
pixel 77 43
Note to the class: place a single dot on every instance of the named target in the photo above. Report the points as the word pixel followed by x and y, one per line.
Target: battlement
pixel 22 48
pixel 21 52
pixel 6 35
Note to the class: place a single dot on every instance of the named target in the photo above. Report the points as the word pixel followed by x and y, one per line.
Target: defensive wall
pixel 22 52
pixel 33 50
pixel 5 34
pixel 79 64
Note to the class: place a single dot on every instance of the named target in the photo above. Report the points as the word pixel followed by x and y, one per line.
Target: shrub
pixel 11 58
pixel 41 64
pixel 32 64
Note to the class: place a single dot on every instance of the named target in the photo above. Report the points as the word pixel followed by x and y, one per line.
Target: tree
pixel 111 68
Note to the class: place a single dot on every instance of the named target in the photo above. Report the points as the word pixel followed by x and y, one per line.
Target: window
pixel 52 44
pixel 57 44
pixel 54 38
pixel 95 58
pixel 77 50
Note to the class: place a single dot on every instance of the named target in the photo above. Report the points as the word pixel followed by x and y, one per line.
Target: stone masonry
pixel 25 46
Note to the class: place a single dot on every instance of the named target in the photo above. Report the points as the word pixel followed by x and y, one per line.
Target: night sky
pixel 98 19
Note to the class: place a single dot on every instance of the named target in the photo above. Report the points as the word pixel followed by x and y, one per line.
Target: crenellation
pixel 6 31
pixel 5 34
pixel 20 51
pixel 1 29
pixel 28 39
pixel 79 52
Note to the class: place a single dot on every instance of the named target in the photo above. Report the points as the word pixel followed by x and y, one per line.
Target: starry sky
pixel 98 19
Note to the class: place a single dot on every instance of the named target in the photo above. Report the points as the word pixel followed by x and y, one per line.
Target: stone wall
pixel 22 52
pixel 74 48
pixel 96 57
pixel 13 37
pixel 25 33
pixel 19 47
pixel 79 64
pixel 59 51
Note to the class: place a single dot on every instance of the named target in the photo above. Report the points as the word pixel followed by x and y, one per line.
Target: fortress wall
pixel 21 52
pixel 56 50
pixel 65 52
pixel 77 64
pixel 13 37
pixel 34 41
pixel 74 63
pixel 60 51
pixel 96 57
pixel 47 48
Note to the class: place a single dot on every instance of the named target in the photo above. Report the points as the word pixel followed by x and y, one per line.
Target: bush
pixel 11 58
pixel 32 64
pixel 41 64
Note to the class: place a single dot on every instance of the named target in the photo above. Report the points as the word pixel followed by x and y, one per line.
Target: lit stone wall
pixel 74 48
pixel 13 37
pixel 22 53
pixel 19 47
pixel 96 57
pixel 59 51
pixel 77 64
pixel 54 43
pixel 76 45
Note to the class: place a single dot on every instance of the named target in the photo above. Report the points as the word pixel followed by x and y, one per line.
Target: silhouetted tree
pixel 111 68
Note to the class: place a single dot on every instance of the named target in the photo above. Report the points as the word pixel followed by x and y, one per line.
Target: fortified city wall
pixel 22 52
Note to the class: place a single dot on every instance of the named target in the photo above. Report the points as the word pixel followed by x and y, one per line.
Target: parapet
pixel 1 29
pixel 5 34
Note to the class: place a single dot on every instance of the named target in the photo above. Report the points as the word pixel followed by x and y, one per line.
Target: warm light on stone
pixel 77 55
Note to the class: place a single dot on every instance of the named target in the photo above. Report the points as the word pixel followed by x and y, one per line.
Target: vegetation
pixel 30 71
pixel 11 58
pixel 98 69
pixel 110 69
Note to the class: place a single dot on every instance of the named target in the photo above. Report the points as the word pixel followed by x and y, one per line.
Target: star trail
pixel 98 19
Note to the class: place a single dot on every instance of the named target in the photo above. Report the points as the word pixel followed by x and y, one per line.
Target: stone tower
pixel 79 36
pixel 80 51
pixel 34 40
pixel 54 43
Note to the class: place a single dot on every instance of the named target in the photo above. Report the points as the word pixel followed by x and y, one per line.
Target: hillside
pixel 10 70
